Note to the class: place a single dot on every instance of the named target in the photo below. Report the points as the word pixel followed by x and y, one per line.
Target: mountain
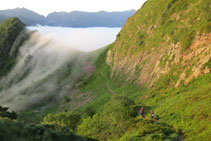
pixel 160 61
pixel 167 41
pixel 25 15
pixel 89 19
pixel 2 18
pixel 71 19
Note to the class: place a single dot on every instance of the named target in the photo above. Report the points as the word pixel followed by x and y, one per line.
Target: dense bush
pixel 69 119
pixel 56 129
pixel 149 130
pixel 112 122
pixel 15 131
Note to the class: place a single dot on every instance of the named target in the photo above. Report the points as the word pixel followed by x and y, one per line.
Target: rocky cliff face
pixel 169 38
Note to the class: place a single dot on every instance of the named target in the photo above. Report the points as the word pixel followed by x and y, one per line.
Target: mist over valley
pixel 50 52
pixel 83 39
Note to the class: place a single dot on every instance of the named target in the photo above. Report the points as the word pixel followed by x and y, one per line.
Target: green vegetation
pixel 151 26
pixel 119 120
pixel 90 112
pixel 111 111
pixel 70 119
pixel 185 108
pixel 12 130
pixel 208 64
pixel 100 83
pixel 9 31
pixel 164 60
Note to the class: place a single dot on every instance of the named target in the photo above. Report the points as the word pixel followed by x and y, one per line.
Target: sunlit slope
pixel 166 47
pixel 164 37
pixel 185 108
pixel 161 59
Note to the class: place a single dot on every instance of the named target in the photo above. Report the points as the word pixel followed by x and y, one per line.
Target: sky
pixel 44 7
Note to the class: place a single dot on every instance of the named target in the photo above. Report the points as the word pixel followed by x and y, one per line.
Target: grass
pixel 185 108
pixel 96 85
pixel 177 19
pixel 208 64
pixel 164 60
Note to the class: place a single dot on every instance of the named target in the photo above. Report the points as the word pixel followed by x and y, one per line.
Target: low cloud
pixel 34 79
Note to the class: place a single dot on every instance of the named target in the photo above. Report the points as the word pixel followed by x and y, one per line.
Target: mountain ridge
pixel 69 19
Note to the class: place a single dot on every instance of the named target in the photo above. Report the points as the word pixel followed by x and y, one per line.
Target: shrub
pixel 90 112
pixel 69 119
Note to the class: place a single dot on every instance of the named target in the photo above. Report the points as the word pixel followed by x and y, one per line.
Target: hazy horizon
pixel 41 7
pixel 45 15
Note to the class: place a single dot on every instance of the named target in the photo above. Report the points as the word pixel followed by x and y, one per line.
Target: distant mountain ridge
pixel 69 19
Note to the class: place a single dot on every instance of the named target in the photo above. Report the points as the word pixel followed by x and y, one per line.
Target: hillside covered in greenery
pixel 10 42
pixel 161 61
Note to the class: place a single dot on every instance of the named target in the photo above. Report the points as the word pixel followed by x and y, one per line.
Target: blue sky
pixel 44 7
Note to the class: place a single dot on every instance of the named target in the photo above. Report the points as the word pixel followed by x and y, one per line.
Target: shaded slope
pixel 10 41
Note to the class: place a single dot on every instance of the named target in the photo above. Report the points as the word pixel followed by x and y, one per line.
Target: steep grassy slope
pixel 186 108
pixel 161 59
pixel 10 41
pixel 101 87
pixel 164 37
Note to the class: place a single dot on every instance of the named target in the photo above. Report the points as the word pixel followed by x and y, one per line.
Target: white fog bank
pixel 40 74
pixel 83 39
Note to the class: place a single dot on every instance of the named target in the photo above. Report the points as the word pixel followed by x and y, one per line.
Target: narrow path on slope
pixel 107 86
pixel 109 89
